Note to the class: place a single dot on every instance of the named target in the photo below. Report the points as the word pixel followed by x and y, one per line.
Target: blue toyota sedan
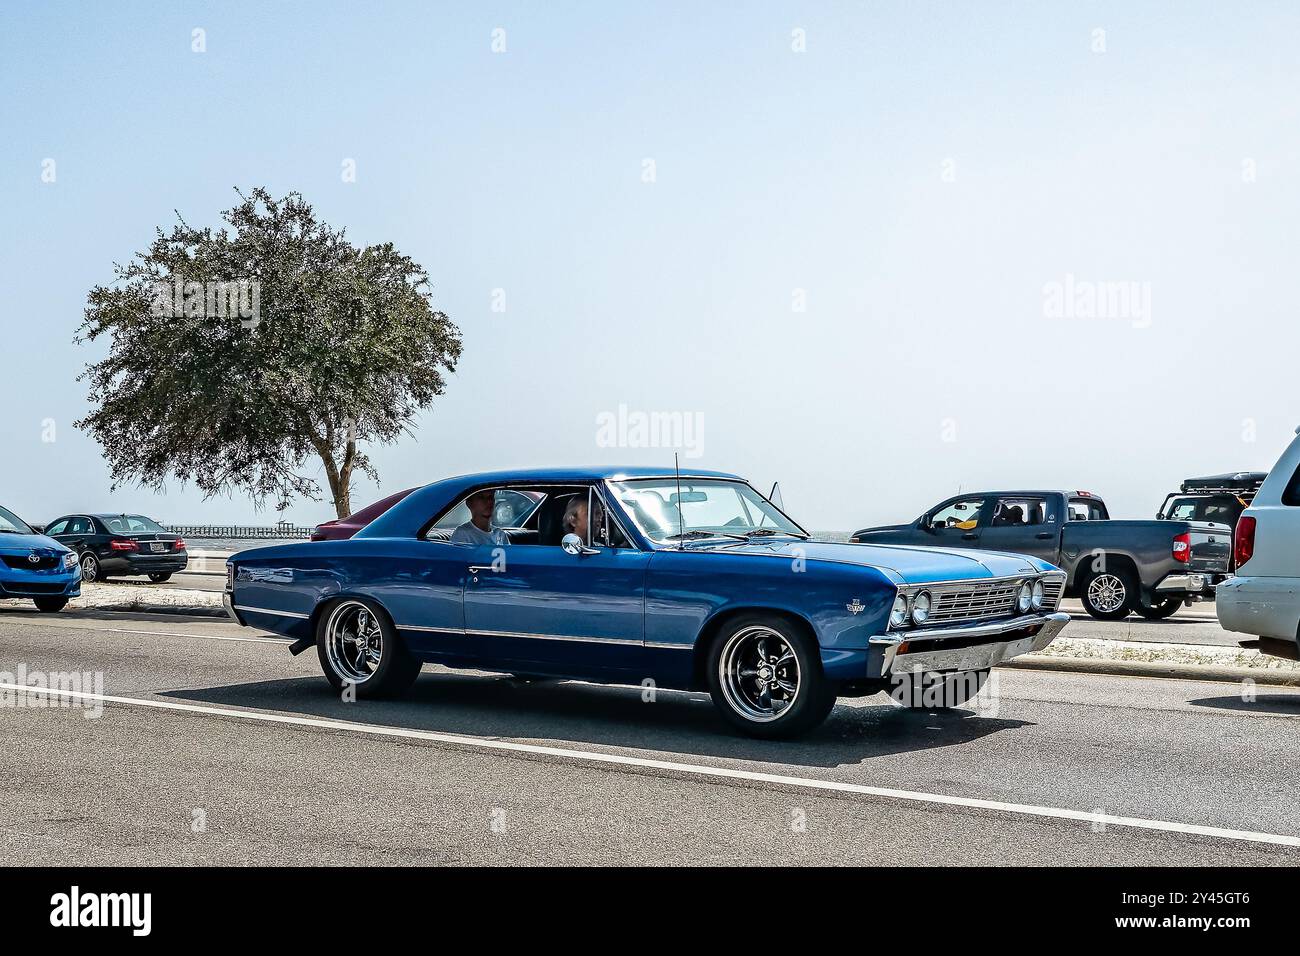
pixel 634 576
pixel 34 566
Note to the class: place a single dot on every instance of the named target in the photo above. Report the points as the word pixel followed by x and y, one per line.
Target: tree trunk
pixel 339 476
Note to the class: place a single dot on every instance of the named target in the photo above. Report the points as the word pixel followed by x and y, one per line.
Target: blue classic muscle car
pixel 635 576
pixel 36 567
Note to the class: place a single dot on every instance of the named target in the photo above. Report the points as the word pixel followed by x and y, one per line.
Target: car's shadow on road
pixel 569 712
pixel 1279 704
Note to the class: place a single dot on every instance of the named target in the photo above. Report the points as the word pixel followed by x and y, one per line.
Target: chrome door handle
pixel 476 568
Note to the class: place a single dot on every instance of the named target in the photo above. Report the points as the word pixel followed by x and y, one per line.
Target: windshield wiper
pixel 764 532
pixel 701 533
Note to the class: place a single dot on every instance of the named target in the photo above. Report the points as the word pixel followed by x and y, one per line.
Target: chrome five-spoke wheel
pixel 759 673
pixel 354 642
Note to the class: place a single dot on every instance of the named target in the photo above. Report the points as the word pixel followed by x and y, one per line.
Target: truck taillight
pixel 230 578
pixel 1183 548
pixel 1243 544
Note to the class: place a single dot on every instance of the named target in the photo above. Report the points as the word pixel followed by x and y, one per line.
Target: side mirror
pixel 572 544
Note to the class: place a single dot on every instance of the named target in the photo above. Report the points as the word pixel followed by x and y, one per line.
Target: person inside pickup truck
pixel 1008 516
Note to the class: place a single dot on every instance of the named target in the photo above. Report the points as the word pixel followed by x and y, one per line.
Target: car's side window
pixel 961 515
pixel 1291 496
pixel 57 528
pixel 1019 512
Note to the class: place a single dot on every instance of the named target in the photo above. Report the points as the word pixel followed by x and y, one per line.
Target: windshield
pixel 133 524
pixel 10 523
pixel 709 507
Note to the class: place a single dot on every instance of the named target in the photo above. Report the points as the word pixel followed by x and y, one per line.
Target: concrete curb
pixel 1144 659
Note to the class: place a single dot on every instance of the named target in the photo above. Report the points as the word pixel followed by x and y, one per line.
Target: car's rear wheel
pixel 937 691
pixel 1109 595
pixel 90 570
pixel 358 646
pixel 159 578
pixel 50 605
pixel 765 676
pixel 1161 609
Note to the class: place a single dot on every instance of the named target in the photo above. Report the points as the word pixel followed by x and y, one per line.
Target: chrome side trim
pixel 553 637
pixel 526 635
pixel 267 610
pixel 668 646
pixel 429 630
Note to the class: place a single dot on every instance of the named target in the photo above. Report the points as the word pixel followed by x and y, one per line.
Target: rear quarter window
pixel 1291 496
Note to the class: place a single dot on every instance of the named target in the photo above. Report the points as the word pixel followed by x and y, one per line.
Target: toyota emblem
pixel 33 558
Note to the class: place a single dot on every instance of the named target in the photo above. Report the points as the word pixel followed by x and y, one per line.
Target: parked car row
pixel 48 563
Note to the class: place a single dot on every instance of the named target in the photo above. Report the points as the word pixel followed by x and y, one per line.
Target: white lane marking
pixel 131 630
pixel 695 770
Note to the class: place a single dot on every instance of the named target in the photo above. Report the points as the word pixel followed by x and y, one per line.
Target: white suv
pixel 1264 598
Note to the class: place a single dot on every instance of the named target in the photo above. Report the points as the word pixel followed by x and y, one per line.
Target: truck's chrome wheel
pixel 759 673
pixel 354 642
pixel 1107 593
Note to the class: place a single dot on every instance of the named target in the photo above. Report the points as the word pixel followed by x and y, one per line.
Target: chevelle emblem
pixel 855 606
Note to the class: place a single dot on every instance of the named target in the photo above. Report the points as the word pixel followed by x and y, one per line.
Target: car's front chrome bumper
pixel 969 648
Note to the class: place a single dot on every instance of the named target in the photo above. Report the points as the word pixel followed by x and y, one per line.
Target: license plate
pixel 157 546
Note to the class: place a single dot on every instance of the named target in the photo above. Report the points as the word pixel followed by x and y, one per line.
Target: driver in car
pixel 478 529
pixel 576 519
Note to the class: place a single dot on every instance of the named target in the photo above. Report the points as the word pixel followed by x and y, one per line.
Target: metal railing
pixel 241 532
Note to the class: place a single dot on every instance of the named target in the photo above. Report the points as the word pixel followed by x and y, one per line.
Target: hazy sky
pixel 848 270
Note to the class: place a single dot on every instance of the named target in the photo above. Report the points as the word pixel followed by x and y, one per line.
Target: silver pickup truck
pixel 1113 567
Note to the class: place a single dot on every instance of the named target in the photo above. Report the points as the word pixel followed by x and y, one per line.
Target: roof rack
pixel 1242 484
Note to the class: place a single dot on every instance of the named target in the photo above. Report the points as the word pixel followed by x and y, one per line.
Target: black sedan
pixel 120 545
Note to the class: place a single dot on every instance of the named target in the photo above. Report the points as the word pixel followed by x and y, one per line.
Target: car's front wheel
pixel 1109 595
pixel 50 605
pixel 358 646
pixel 90 570
pixel 765 676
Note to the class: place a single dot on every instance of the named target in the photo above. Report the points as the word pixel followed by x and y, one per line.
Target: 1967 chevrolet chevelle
pixel 635 576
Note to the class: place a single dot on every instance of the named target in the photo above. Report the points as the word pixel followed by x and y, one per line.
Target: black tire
pixel 90 568
pixel 50 605
pixel 1166 608
pixel 159 578
pixel 390 676
pixel 738 696
pixel 936 691
pixel 1110 594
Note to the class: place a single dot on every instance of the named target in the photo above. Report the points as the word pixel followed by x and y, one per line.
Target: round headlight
pixel 898 614
pixel 1024 597
pixel 1037 597
pixel 921 608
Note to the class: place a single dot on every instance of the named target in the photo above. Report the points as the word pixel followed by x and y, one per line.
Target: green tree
pixel 238 354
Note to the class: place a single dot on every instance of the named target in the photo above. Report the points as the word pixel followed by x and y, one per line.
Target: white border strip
pixel 695 770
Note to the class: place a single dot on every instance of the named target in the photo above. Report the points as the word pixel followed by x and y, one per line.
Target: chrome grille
pixel 971 602
pixel 1052 588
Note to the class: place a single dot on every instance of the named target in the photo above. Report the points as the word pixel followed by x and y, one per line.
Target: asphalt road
pixel 224 749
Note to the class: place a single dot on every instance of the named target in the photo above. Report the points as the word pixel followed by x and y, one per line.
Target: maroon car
pixel 341 528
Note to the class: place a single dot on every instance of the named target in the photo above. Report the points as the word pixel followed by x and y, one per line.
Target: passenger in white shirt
pixel 478 529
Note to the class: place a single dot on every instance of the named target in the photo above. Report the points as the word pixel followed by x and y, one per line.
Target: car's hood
pixel 907 565
pixel 27 543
